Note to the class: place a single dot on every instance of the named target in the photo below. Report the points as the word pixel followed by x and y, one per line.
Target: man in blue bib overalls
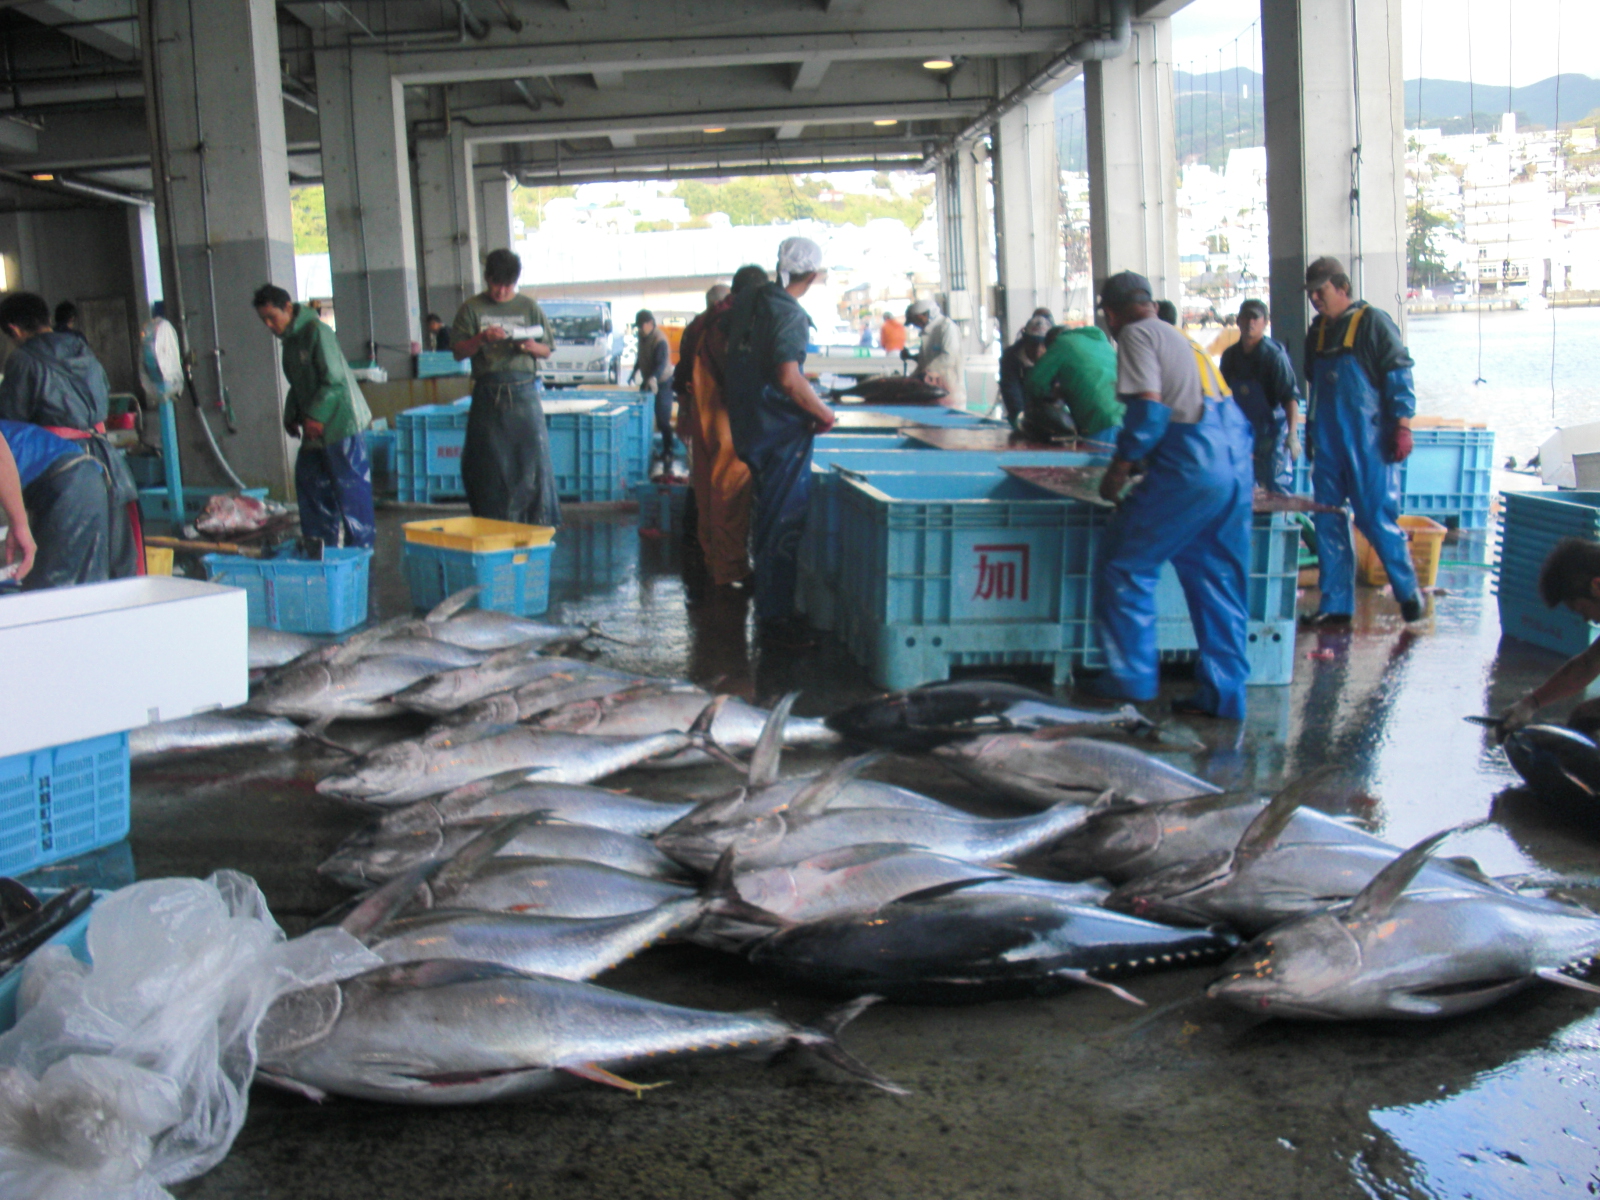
pixel 1358 379
pixel 1192 508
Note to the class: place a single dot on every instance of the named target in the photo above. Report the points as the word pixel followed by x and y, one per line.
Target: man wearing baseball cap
pixel 1358 432
pixel 1016 361
pixel 1258 371
pixel 1191 509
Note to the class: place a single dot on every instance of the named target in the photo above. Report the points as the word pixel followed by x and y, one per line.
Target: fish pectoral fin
pixel 1585 788
pixel 1089 980
pixel 317 731
pixel 1556 975
pixel 315 1094
pixel 598 1074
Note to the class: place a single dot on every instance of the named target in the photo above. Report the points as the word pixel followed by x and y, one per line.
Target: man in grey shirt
pixel 1192 508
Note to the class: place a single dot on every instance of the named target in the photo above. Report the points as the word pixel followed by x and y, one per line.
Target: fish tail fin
pixel 700 734
pixel 379 906
pixel 769 746
pixel 317 732
pixel 821 1037
pixel 720 895
pixel 593 630
pixel 452 604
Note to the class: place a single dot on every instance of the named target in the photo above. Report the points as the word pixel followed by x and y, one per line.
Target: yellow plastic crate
pixel 478 535
pixel 157 561
pixel 1426 539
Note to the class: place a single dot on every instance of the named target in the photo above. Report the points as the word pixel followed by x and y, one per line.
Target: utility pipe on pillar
pixel 1046 78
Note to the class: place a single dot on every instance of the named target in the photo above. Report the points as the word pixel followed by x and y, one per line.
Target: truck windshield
pixel 572 323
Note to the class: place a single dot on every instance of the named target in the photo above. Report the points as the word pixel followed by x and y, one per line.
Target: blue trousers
pixel 780 474
pixel 1193 510
pixel 334 483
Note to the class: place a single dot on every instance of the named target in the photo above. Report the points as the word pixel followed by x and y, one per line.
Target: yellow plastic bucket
pixel 1426 539
pixel 477 535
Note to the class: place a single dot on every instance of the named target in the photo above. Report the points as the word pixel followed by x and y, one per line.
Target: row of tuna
pixel 497 881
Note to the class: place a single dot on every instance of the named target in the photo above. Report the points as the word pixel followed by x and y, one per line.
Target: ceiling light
pixel 717 129
pixel 45 177
pixel 890 121
pixel 938 64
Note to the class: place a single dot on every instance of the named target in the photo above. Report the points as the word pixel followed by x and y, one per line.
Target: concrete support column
pixel 1027 214
pixel 1335 152
pixel 494 217
pixel 366 180
pixel 447 213
pixel 216 116
pixel 1133 161
pixel 963 217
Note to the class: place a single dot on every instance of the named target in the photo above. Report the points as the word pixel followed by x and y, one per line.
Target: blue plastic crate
pixel 431 364
pixel 588 452
pixel 639 436
pixel 63 801
pixel 298 594
pixel 819 546
pixel 950 571
pixel 1564 514
pixel 1524 618
pixel 74 936
pixel 661 506
pixel 147 469
pixel 514 581
pixel 381 450
pixel 154 502
pixel 1447 474
pixel 868 441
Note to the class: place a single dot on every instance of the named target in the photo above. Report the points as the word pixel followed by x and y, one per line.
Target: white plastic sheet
pixel 134 1073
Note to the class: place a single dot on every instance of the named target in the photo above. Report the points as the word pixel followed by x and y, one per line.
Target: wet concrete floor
pixel 1080 1095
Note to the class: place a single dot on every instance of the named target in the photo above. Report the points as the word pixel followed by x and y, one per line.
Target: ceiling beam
pixel 607 81
pixel 730 159
pixel 790 130
pixel 623 141
pixel 442 64
pixel 532 177
pixel 807 76
pixel 851 114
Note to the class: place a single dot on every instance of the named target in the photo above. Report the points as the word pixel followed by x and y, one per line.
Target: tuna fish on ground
pixel 1046 767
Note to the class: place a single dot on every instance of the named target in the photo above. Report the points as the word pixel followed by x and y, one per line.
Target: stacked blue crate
pixel 1532 525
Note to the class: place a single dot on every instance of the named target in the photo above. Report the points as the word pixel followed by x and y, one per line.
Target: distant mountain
pixel 1222 111
pixel 1450 102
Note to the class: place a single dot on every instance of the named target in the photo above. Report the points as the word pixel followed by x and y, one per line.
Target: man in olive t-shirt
pixel 505 463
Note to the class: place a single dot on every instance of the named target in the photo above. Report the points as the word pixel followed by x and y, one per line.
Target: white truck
pixel 584 347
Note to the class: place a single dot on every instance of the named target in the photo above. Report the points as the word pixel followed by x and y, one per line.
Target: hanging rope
pixel 1551 298
pixel 1477 287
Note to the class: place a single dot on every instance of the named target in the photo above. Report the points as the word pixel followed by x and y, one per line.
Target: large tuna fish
pixel 1047 767
pixel 453 1032
pixel 958 946
pixel 1266 879
pixel 511 795
pixel 1557 763
pixel 209 731
pixel 1395 952
pixel 936 713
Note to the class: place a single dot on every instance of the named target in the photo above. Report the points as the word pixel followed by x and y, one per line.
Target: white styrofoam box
pixel 553 407
pixel 85 661
pixel 1556 453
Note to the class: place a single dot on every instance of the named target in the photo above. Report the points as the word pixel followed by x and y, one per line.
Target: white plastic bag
pixel 134 1073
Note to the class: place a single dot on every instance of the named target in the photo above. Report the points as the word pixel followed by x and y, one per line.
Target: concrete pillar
pixel 447 213
pixel 216 114
pixel 962 217
pixel 494 217
pixel 1335 152
pixel 1027 214
pixel 366 180
pixel 1133 161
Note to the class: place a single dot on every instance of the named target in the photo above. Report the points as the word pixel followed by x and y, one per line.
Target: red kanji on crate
pixel 1005 575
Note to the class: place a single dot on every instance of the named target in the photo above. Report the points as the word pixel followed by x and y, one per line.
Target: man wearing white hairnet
pixel 774 416
pixel 939 360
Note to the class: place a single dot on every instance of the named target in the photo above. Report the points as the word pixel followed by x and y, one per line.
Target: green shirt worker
pixel 327 412
pixel 505 464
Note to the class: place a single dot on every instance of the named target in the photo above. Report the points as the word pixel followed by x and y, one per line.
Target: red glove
pixel 1400 444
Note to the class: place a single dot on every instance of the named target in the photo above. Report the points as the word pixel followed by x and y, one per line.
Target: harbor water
pixel 1496 367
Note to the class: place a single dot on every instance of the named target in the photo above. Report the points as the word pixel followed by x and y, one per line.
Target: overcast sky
pixel 1435 37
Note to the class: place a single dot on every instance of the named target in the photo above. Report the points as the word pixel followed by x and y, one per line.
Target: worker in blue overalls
pixel 1358 378
pixel 774 416
pixel 1258 372
pixel 68 503
pixel 1192 509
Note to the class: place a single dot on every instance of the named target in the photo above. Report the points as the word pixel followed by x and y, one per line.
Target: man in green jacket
pixel 327 412
pixel 1079 371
